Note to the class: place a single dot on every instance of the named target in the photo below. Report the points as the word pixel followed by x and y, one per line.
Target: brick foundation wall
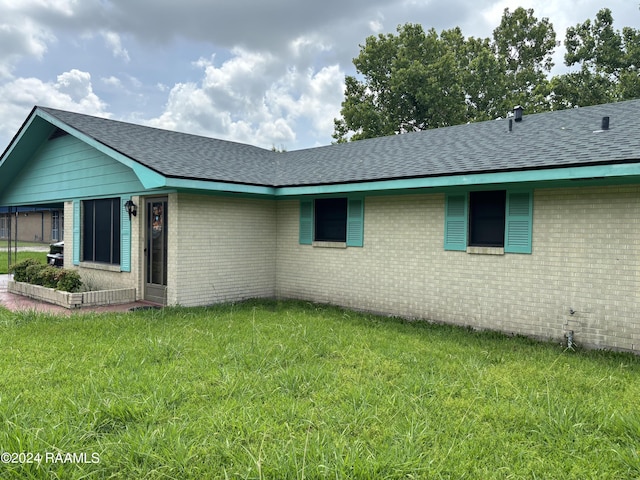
pixel 586 260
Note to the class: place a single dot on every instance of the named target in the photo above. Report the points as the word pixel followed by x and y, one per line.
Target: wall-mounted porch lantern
pixel 131 207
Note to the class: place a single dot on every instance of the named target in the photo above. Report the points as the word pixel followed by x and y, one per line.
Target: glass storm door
pixel 156 250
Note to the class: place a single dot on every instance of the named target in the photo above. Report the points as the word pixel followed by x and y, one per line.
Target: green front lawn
pixel 295 390
pixel 40 256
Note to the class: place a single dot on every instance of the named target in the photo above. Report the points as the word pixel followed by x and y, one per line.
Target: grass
pixel 18 257
pixel 295 390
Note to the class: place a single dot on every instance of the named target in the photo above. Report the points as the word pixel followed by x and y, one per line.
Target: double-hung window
pixel 334 219
pixel 497 218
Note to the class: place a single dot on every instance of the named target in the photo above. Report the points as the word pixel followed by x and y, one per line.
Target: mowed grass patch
pixel 17 257
pixel 296 390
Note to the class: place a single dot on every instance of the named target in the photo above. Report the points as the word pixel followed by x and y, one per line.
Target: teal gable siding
pixel 66 168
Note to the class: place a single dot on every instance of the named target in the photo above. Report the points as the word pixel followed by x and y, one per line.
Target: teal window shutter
pixel 306 222
pixel 76 232
pixel 518 222
pixel 455 222
pixel 125 237
pixel 355 222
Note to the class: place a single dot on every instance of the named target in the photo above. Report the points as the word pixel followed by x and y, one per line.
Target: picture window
pixel 101 231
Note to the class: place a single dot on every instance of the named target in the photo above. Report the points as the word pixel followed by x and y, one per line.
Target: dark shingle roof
pixel 547 140
pixel 175 154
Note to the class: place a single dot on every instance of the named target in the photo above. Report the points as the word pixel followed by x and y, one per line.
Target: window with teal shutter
pixel 355 222
pixel 332 219
pixel 455 222
pixel 518 222
pixel 306 222
pixel 513 231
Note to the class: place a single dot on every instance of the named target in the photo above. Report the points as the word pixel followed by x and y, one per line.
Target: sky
pixel 266 73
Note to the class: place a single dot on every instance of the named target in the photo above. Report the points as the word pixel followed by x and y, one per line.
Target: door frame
pixel 155 292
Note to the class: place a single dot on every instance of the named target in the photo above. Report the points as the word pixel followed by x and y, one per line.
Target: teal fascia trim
pixel 147 177
pixel 546 175
pixel 205 185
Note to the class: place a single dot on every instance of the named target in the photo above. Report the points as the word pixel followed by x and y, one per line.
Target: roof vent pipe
pixel 605 123
pixel 510 124
pixel 517 112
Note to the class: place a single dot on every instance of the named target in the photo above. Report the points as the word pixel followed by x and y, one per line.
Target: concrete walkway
pixel 19 303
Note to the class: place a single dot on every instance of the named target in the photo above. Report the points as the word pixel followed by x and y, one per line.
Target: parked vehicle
pixel 55 256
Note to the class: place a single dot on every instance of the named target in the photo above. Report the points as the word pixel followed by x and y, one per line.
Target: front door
pixel 156 250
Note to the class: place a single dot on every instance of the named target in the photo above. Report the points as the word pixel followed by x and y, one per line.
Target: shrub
pixel 19 270
pixel 69 281
pixel 49 276
pixel 36 273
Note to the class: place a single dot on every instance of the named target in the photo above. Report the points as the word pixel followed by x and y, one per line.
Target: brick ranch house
pixel 528 225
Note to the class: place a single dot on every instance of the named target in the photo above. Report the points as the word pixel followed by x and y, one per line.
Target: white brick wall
pixel 222 249
pixel 586 258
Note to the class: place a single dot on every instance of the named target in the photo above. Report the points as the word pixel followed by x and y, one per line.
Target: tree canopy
pixel 417 80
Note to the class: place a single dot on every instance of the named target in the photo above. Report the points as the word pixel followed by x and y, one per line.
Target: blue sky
pixel 268 73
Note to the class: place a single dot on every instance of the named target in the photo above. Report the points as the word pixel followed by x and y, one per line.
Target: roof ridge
pixel 558 138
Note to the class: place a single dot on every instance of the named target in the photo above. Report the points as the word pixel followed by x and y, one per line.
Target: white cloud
pixel 257 99
pixel 64 7
pixel 21 38
pixel 376 26
pixel 112 81
pixel 113 41
pixel 309 45
pixel 72 91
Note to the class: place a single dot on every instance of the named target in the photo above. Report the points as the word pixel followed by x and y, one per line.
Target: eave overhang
pixel 551 177
pixel 569 176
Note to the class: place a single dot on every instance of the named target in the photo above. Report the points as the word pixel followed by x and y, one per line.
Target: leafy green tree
pixel 417 80
pixel 410 82
pixel 483 79
pixel 608 59
pixel 524 47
